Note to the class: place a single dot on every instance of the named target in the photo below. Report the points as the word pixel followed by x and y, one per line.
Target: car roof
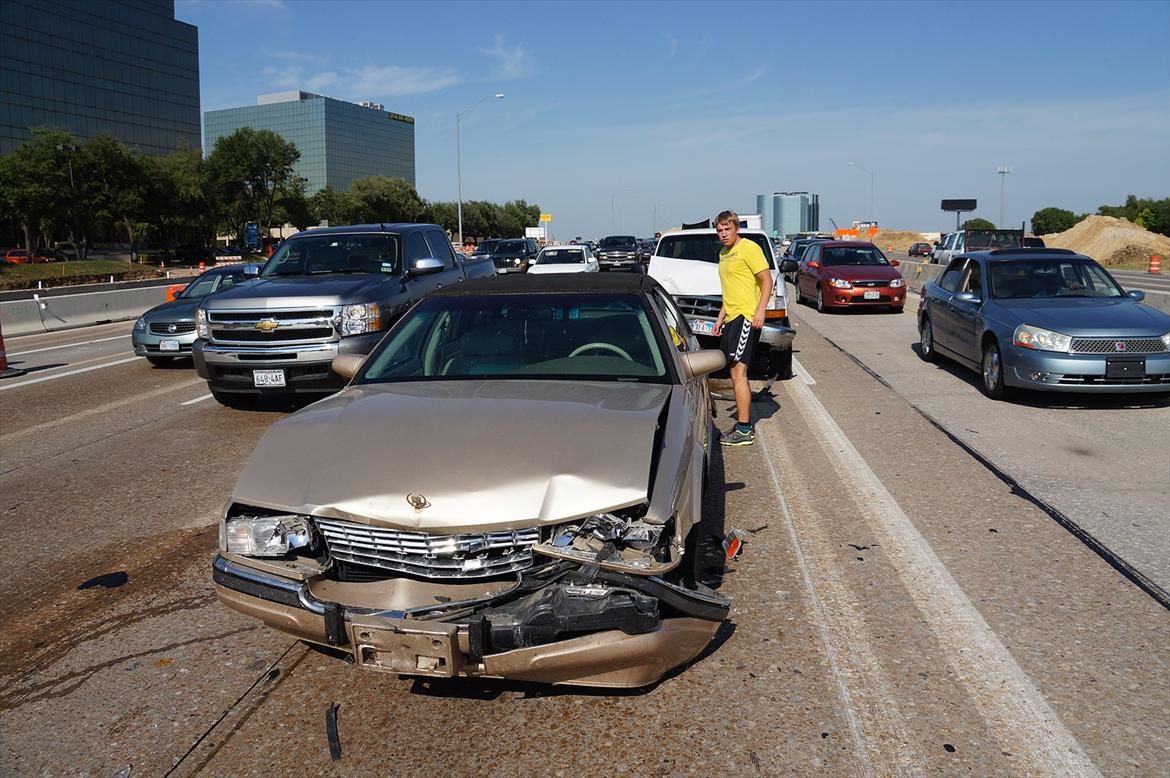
pixel 711 231
pixel 577 246
pixel 396 227
pixel 999 255
pixel 574 283
pixel 846 243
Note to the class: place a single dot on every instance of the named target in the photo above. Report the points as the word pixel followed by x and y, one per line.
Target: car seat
pixel 485 352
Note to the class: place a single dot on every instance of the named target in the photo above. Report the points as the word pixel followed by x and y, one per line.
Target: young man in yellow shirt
pixel 746 281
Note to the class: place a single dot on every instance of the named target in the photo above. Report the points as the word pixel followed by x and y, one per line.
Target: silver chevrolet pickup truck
pixel 686 262
pixel 326 292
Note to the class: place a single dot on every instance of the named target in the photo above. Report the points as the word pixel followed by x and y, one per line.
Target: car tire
pixel 782 364
pixel 820 301
pixel 926 349
pixel 897 308
pixel 231 399
pixel 160 361
pixel 991 372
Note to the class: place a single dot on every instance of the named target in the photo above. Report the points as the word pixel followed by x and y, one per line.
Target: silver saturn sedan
pixel 510 486
pixel 1047 319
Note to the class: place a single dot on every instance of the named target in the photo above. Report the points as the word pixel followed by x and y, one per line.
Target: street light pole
pixel 459 157
pixel 871 213
pixel 1004 171
pixel 72 195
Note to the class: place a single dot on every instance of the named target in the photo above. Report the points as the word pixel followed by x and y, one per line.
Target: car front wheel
pixel 160 361
pixel 821 301
pixel 991 372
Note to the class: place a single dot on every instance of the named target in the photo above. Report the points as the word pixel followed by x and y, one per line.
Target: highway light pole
pixel 459 157
pixel 1003 171
pixel 862 169
pixel 69 147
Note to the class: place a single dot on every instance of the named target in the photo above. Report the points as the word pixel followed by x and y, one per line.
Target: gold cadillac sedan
pixel 509 487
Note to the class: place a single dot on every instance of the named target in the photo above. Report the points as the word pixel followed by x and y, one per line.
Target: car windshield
pixel 511 247
pixel 705 246
pixel 595 337
pixel 618 242
pixel 346 253
pixel 993 239
pixel 208 283
pixel 1051 278
pixel 486 247
pixel 561 257
pixel 833 256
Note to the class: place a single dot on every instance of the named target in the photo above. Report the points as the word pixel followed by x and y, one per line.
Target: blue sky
pixel 615 112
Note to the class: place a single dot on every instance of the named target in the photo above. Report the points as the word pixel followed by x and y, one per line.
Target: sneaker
pixel 733 437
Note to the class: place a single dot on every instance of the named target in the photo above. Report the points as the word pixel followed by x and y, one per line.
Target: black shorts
pixel 739 340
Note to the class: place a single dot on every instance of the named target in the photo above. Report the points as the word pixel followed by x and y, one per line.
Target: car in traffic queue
pixel 840 274
pixel 485 248
pixel 166 332
pixel 919 250
pixel 567 258
pixel 618 252
pixel 1047 319
pixel 572 560
pixel 795 250
pixel 646 250
pixel 514 255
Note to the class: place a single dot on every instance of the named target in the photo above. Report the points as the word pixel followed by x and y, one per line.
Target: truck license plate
pixel 268 377
pixel 168 345
pixel 702 326
pixel 872 295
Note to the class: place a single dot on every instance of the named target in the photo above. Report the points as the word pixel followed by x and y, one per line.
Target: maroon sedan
pixel 849 274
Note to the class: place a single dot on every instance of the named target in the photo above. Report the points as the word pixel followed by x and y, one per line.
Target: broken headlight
pixel 620 541
pixel 266 535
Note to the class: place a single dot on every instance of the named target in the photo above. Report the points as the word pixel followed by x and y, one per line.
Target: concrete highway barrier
pixel 65 311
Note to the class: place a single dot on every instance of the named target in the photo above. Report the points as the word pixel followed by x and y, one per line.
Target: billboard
pixel 958 205
pixel 534 232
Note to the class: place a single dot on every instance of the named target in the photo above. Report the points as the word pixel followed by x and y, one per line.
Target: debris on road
pixel 331 732
pixel 107 581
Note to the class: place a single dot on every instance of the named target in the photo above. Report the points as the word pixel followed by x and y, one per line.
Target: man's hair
pixel 727 217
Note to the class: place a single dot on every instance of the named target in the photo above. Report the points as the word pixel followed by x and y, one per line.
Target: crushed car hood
pixel 483 455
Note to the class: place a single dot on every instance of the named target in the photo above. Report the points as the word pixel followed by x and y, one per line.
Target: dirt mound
pixel 899 239
pixel 1111 241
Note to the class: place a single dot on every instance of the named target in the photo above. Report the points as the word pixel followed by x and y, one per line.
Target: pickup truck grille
pixel 505 262
pixel 275 336
pixel 254 316
pixel 470 555
pixel 699 306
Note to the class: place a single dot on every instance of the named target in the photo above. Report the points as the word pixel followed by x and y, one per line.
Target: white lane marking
pixel 6 387
pixel 865 768
pixel 800 371
pixel 106 408
pixel 65 345
pixel 1012 707
pixel 197 399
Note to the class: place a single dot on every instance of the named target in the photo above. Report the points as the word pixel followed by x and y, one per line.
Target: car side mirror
pixel 347 364
pixel 894 263
pixel 251 271
pixel 788 266
pixel 1136 294
pixel 701 362
pixel 968 297
pixel 426 266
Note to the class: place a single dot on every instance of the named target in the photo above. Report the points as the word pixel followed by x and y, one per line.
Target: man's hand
pixel 758 321
pixel 717 330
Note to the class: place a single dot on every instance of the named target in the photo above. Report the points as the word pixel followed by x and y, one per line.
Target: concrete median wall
pixel 65 311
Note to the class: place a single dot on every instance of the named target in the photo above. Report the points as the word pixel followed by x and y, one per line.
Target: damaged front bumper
pixel 558 623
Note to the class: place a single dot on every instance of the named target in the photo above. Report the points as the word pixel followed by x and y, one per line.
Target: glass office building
pixel 122 67
pixel 338 141
pixel 788 213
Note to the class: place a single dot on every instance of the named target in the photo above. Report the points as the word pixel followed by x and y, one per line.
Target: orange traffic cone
pixel 202 266
pixel 1155 264
pixel 5 370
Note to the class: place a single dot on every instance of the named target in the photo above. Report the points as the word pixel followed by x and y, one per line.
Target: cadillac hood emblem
pixel 418 502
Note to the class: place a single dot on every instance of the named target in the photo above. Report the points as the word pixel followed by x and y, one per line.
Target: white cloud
pixel 393 81
pixel 513 62
pixel 673 42
pixel 755 75
pixel 321 80
pixel 284 78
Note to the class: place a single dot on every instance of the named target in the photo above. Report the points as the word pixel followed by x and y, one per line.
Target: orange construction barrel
pixel 1155 264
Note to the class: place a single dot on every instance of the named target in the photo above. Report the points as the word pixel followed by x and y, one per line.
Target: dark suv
pixel 618 252
pixel 514 255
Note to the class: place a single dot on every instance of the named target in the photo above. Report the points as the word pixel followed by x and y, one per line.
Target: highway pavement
pixel 900 608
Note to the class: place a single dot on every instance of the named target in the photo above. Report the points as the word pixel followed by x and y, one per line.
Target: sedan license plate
pixel 168 345
pixel 702 326
pixel 1125 368
pixel 872 294
pixel 268 377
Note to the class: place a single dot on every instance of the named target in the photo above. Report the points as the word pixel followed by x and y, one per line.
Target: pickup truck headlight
pixel 140 325
pixel 356 319
pixel 840 283
pixel 897 283
pixel 202 327
pixel 1040 339
pixel 266 535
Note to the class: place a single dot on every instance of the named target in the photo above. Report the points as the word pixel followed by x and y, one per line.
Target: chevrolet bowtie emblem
pixel 267 325
pixel 418 502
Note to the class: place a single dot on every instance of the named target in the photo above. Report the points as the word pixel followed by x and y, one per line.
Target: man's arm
pixel 718 328
pixel 765 277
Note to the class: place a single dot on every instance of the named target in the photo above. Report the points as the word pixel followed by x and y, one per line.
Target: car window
pixel 441 247
pixel 619 242
pixel 972 282
pixel 344 253
pixel 561 257
pixel 1046 278
pixel 511 247
pixel 597 337
pixel 950 278
pixel 836 256
pixel 812 253
pixel 680 333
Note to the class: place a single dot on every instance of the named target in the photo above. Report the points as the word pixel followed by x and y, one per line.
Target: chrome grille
pixel 468 555
pixel 1109 346
pixel 1100 380
pixel 699 306
pixel 163 327
pixel 255 316
pixel 277 335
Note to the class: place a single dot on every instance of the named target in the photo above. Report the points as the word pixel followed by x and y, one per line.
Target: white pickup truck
pixel 686 263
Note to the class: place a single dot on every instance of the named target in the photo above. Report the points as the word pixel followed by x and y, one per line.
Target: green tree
pixel 292 207
pixel 977 224
pixel 35 179
pixel 184 200
pixel 115 187
pixel 333 207
pixel 381 199
pixel 1049 220
pixel 1153 215
pixel 445 215
pixel 251 167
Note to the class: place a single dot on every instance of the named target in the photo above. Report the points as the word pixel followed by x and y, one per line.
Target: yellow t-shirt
pixel 738 266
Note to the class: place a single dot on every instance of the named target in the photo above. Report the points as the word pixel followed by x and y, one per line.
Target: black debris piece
pixel 758 529
pixel 948 748
pixel 331 732
pixel 993 529
pixel 858 548
pixel 107 581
